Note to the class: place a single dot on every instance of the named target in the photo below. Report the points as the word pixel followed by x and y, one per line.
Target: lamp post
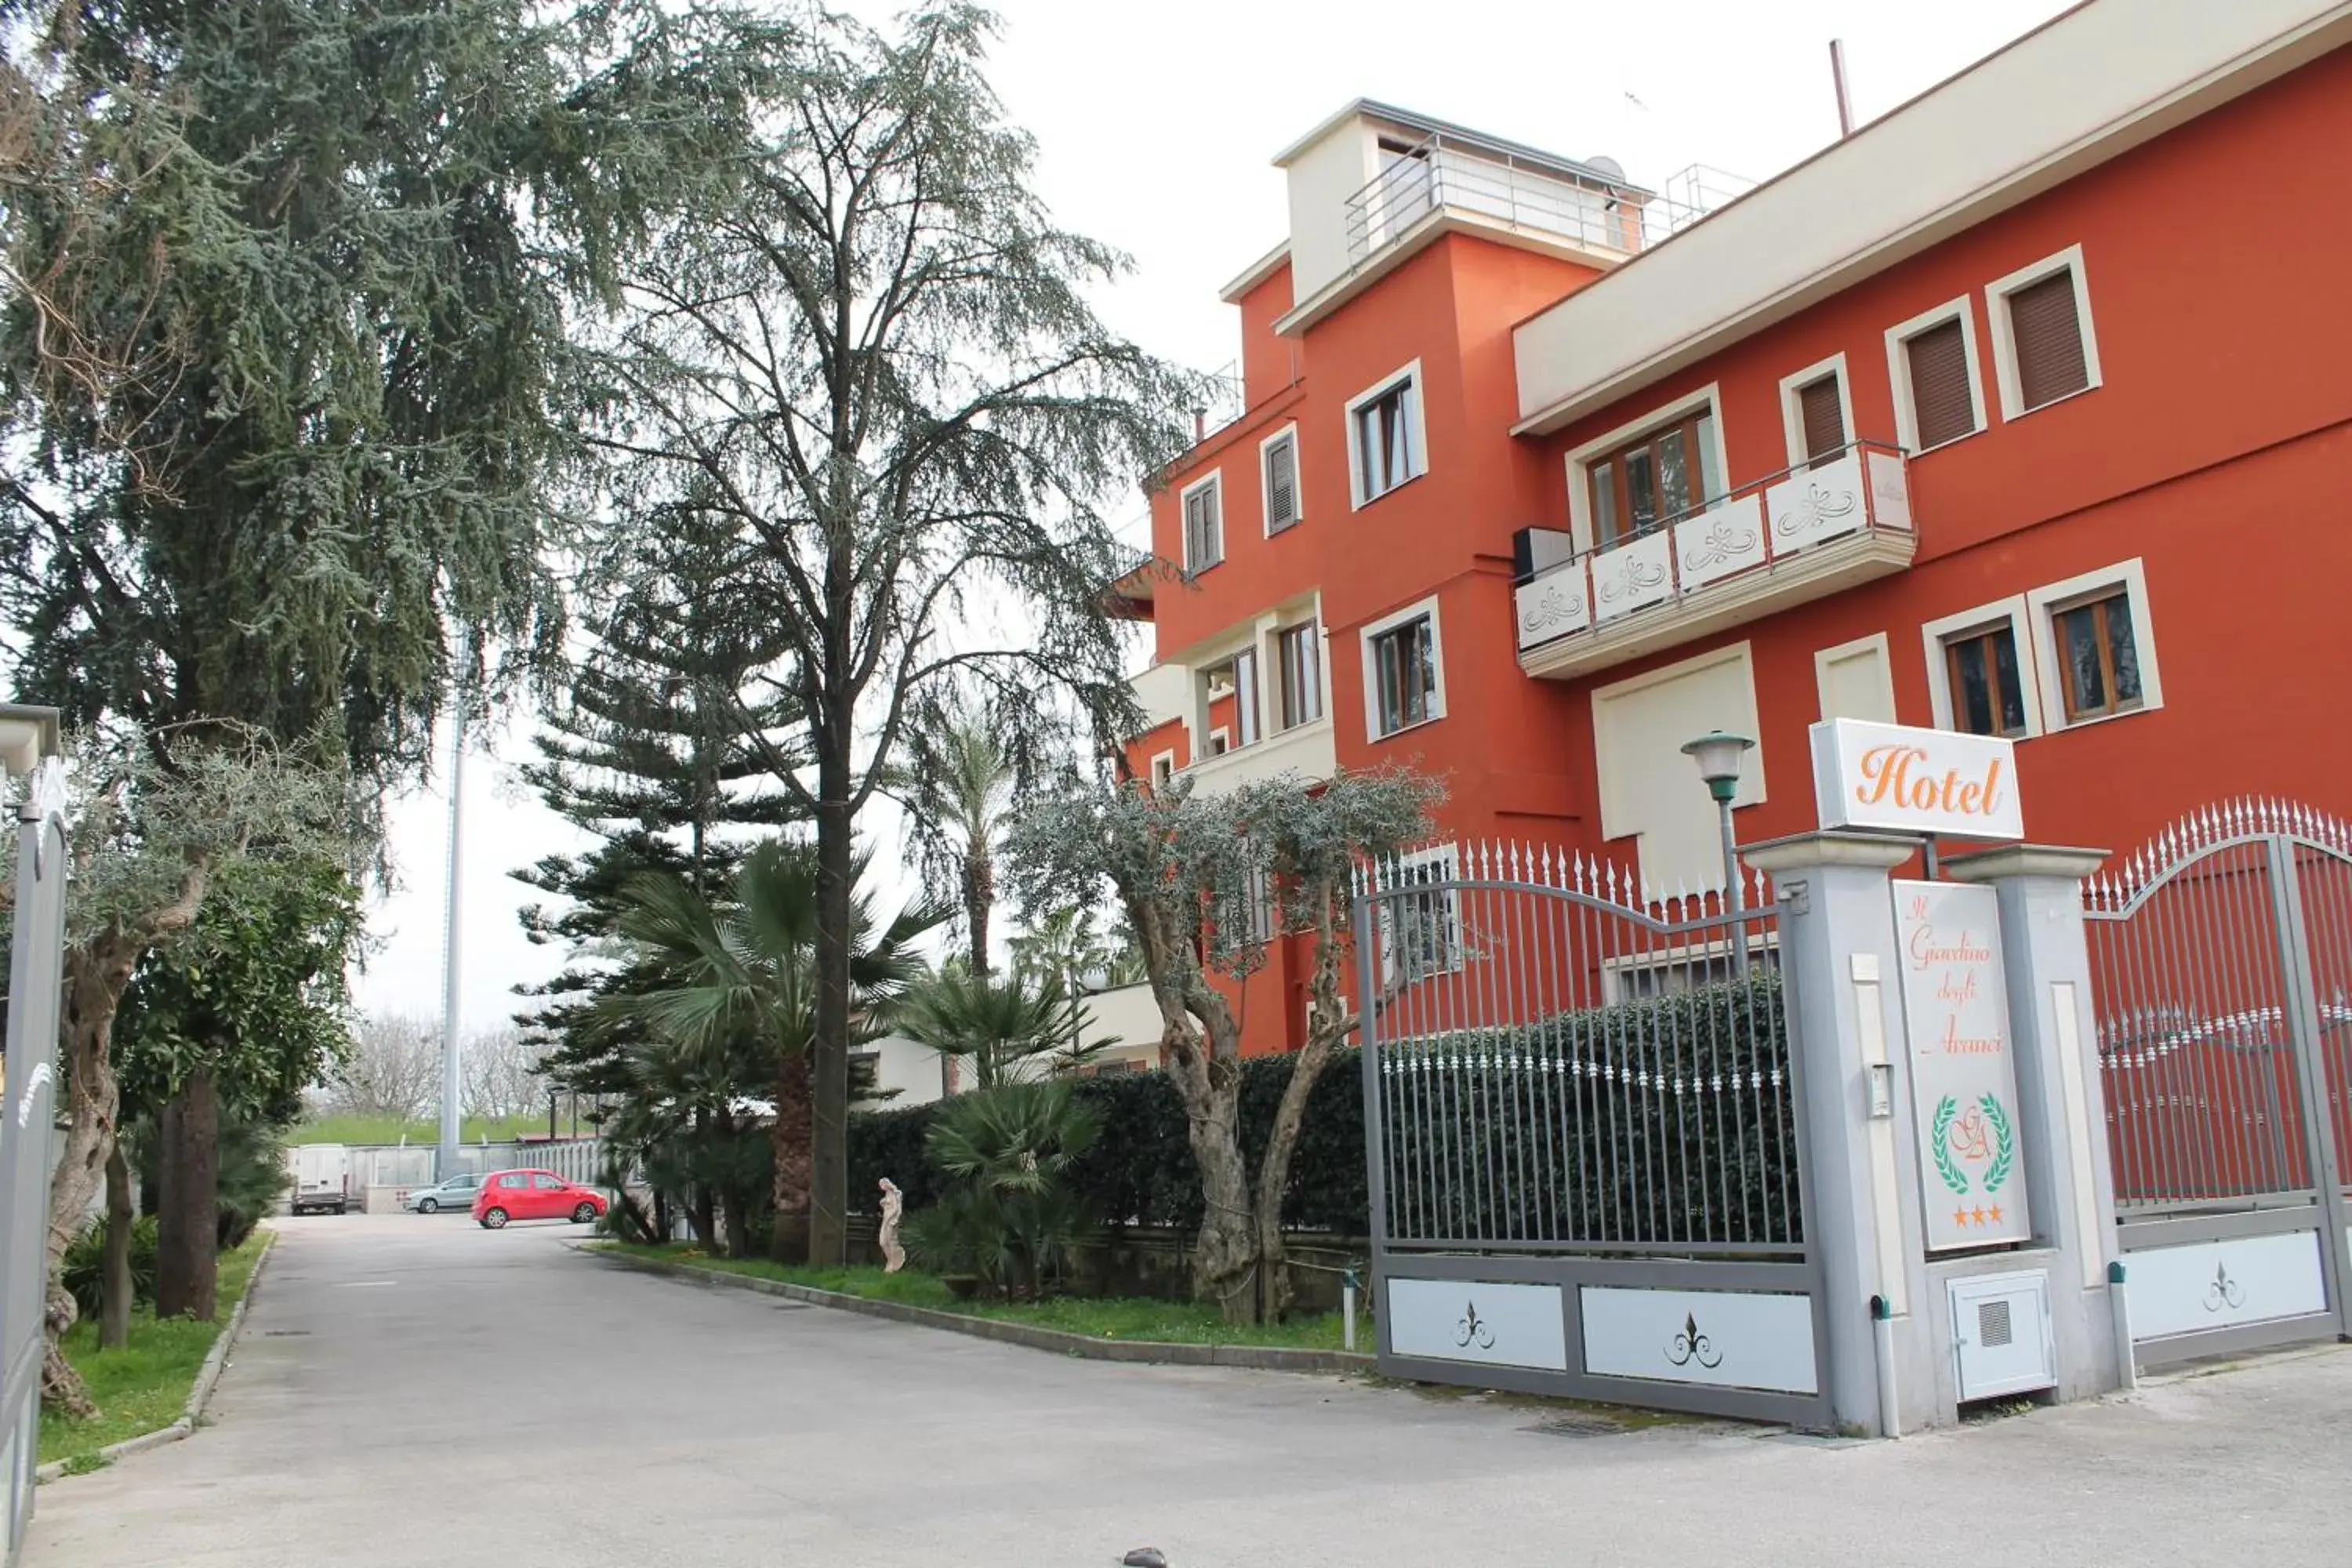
pixel 1717 755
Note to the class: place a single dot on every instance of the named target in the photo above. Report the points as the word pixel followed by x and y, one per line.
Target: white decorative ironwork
pixel 1817 505
pixel 1632 577
pixel 1720 541
pixel 1553 606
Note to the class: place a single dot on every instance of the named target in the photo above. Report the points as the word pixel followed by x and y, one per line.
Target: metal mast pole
pixel 448 1159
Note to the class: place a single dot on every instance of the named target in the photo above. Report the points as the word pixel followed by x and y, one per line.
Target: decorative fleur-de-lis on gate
pixel 1474 1330
pixel 2225 1292
pixel 1690 1345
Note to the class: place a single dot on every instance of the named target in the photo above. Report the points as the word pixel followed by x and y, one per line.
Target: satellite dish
pixel 1606 165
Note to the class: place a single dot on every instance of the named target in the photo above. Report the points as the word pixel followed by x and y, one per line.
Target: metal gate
pixel 1583 1136
pixel 2222 964
pixel 28 1102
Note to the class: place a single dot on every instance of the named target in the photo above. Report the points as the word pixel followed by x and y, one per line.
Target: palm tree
pixel 995 1024
pixel 957 786
pixel 744 966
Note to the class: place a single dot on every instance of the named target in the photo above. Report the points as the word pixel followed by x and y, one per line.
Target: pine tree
pixel 648 754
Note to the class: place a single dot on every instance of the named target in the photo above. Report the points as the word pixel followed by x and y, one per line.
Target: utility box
pixel 2001 1338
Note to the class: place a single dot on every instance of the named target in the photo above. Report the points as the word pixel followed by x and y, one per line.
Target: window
pixel 2042 346
pixel 1932 359
pixel 1278 460
pixel 546 1184
pixel 1164 768
pixel 1385 445
pixel 1988 694
pixel 1654 478
pixel 1423 929
pixel 1404 682
pixel 1822 412
pixel 2098 668
pixel 1856 680
pixel 1235 679
pixel 2095 645
pixel 1300 653
pixel 1981 666
pixel 1219 743
pixel 1205 524
pixel 1257 913
pixel 511 1181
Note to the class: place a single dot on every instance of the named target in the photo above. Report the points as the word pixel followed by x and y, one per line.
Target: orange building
pixel 2016 411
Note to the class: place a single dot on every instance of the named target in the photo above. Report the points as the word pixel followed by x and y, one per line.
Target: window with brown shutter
pixel 1942 406
pixel 1281 484
pixel 1822 414
pixel 2045 335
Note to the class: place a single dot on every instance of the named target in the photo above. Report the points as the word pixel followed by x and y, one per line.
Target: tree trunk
pixel 979 896
pixel 114 1322
pixel 187 1254
pixel 1208 1083
pixel 702 1217
pixel 789 1143
pixel 1273 1175
pixel 829 1069
pixel 95 973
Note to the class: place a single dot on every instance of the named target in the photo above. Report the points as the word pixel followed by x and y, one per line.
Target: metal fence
pixel 28 1092
pixel 1574 1086
pixel 2222 967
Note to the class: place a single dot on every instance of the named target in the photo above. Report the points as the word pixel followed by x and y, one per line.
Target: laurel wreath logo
pixel 2004 1143
pixel 1939 1146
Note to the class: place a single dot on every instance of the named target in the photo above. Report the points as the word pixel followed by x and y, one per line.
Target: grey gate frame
pixel 1573 1086
pixel 2222 967
pixel 35 975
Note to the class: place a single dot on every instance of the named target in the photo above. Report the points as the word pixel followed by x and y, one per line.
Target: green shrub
pixel 83 1272
pixel 1009 1215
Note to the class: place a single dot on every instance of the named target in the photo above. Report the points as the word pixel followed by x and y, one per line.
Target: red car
pixel 534 1195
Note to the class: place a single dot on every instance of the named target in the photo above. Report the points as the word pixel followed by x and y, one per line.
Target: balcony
pixel 1589 208
pixel 1798 535
pixel 1306 751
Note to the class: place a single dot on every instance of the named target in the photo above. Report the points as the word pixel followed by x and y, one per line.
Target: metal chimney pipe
pixel 1837 75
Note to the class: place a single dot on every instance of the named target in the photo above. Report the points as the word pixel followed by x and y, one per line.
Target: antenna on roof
pixel 1837 75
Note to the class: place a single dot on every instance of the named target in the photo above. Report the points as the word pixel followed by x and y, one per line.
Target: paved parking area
pixel 417 1391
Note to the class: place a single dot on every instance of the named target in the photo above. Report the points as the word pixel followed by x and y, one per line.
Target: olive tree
pixel 1208 882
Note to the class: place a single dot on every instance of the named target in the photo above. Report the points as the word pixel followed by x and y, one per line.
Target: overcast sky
pixel 1155 124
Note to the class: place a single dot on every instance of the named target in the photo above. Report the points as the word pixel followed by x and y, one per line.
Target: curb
pixel 1257 1358
pixel 199 1396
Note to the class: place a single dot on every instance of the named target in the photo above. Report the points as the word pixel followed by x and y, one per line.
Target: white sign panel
pixel 2218 1284
pixel 1816 506
pixel 1730 1339
pixel 1905 780
pixel 1478 1320
pixel 1632 577
pixel 1963 1081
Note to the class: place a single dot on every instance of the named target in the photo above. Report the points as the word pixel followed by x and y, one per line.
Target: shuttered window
pixel 1281 484
pixel 2046 334
pixel 1823 412
pixel 1942 408
pixel 1204 528
pixel 1300 648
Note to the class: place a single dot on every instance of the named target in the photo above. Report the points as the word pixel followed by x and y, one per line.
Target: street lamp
pixel 1717 755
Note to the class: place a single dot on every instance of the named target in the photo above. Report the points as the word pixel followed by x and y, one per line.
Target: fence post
pixel 2070 1184
pixel 1838 950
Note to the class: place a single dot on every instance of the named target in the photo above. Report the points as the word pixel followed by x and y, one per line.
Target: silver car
pixel 456 1193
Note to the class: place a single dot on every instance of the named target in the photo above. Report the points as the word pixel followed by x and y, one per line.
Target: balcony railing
pixel 1813 528
pixel 1593 214
pixel 1306 751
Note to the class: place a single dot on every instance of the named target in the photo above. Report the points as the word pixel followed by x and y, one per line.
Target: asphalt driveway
pixel 413 1390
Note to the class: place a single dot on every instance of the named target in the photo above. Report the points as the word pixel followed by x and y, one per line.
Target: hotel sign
pixel 1902 780
pixel 1963 1079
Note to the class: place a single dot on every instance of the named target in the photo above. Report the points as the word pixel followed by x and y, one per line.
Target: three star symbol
pixel 1964 1217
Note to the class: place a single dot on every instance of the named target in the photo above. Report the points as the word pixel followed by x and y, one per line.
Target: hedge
pixel 1140 1171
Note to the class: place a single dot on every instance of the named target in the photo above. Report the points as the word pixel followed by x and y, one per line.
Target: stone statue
pixel 893 1203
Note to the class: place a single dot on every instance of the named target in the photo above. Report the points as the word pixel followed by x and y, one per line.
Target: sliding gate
pixel 1583 1133
pixel 2222 963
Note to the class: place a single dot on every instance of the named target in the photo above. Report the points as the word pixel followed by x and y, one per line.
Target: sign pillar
pixel 2062 1116
pixel 1838 954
